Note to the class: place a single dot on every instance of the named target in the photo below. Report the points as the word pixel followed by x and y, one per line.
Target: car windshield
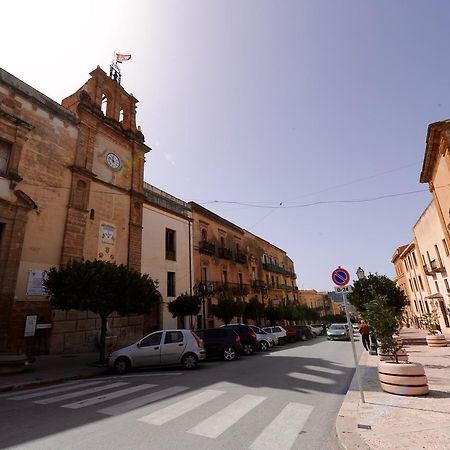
pixel 337 326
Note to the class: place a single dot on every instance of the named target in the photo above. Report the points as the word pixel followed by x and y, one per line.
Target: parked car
pixel 277 331
pixel 317 328
pixel 165 347
pixel 338 331
pixel 355 327
pixel 248 337
pixel 265 341
pixel 222 342
pixel 304 332
pixel 292 333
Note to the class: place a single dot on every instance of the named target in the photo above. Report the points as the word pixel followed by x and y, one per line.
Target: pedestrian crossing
pixel 279 433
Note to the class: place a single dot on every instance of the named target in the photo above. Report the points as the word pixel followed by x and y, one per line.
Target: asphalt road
pixel 284 399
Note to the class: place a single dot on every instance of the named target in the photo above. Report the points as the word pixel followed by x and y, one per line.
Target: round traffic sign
pixel 340 276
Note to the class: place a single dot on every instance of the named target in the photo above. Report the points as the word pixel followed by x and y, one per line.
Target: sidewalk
pixel 389 421
pixel 52 368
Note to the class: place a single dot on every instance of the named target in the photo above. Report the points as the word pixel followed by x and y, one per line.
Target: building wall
pixel 154 262
pixel 435 261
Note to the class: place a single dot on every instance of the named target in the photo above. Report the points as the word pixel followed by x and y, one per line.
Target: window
pixel 444 243
pixel 224 277
pixel 104 104
pixel 445 282
pixel 173 337
pixel 153 339
pixel 438 255
pixel 222 242
pixel 253 274
pixel 204 273
pixel 414 258
pixel 5 152
pixel 121 115
pixel 170 284
pixel 170 245
pixel 415 284
pixel 204 234
pixel 240 279
pixel 420 282
pixel 437 286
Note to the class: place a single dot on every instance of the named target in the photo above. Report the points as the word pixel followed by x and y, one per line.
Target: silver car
pixel 277 331
pixel 166 347
pixel 264 339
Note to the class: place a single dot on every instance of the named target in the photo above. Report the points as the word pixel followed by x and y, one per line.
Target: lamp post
pixel 373 340
pixel 200 289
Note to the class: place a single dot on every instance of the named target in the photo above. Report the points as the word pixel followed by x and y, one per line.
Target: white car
pixel 161 348
pixel 316 330
pixel 265 340
pixel 277 331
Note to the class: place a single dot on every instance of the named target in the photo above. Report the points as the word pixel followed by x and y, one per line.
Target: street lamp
pixel 360 274
pixel 200 289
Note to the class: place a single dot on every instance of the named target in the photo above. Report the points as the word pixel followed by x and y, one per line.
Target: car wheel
pixel 189 361
pixel 264 346
pixel 247 349
pixel 229 353
pixel 122 365
pixel 303 337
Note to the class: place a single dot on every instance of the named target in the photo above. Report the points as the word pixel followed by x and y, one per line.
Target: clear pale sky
pixel 259 110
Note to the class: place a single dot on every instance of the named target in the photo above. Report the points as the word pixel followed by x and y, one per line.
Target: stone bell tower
pixel 104 214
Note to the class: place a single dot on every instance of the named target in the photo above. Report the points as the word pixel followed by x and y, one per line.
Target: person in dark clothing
pixel 365 334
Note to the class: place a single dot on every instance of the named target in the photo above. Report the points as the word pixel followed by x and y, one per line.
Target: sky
pixel 303 122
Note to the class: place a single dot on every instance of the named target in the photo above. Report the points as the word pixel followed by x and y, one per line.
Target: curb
pixel 34 383
pixel 346 426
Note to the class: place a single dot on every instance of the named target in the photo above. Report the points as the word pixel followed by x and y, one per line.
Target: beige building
pixel 319 301
pixel 229 258
pixel 167 249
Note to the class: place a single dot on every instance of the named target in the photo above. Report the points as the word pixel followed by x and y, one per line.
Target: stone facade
pixel 70 175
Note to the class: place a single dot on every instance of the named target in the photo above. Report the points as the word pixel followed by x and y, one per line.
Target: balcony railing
pixel 207 247
pixel 273 268
pixel 225 253
pixel 433 267
pixel 214 287
pixel 240 258
pixel 258 285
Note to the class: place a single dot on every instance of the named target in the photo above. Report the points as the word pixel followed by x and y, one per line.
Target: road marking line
pixel 215 425
pixel 106 397
pixel 282 432
pixel 45 391
pixel 178 409
pixel 129 405
pixel 79 393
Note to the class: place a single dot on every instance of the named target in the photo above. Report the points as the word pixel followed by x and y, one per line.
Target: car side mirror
pixel 138 344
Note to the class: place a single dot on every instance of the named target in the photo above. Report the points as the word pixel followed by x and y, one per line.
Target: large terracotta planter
pixel 402 378
pixel 436 340
pixel 401 354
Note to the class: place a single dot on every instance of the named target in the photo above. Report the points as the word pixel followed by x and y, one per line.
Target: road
pixel 284 399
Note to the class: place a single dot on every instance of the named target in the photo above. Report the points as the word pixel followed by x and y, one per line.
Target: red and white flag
pixel 120 57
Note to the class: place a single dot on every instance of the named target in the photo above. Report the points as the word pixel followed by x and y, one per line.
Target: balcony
pixel 290 274
pixel 225 253
pixel 207 247
pixel 273 268
pixel 234 288
pixel 240 258
pixel 433 267
pixel 258 285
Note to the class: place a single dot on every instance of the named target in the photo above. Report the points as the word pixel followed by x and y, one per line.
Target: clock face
pixel 113 161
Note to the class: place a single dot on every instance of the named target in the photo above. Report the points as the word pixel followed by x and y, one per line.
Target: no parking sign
pixel 340 276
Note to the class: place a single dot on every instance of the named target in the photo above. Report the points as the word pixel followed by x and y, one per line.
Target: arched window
pixel 204 235
pixel 104 104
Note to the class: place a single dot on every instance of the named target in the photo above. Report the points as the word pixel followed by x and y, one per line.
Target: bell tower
pixel 104 214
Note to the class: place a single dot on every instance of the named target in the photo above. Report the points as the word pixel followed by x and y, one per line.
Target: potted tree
pixel 395 376
pixel 430 322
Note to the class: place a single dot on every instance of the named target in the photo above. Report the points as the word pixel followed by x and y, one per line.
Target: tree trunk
pixel 103 339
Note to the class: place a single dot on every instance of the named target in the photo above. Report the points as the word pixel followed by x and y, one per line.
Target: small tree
pixel 103 288
pixel 367 289
pixel 430 321
pixel 385 321
pixel 227 308
pixel 272 313
pixel 185 305
pixel 254 310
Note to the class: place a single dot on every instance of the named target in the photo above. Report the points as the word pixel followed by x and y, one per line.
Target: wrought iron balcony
pixel 433 268
pixel 234 288
pixel 207 247
pixel 273 268
pixel 225 253
pixel 240 258
pixel 259 286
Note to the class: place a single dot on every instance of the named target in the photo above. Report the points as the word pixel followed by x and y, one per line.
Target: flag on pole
pixel 120 57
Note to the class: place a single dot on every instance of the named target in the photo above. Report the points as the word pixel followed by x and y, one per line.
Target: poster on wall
pixel 106 242
pixel 34 284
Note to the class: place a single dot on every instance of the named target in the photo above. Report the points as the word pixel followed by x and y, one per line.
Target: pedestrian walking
pixel 365 334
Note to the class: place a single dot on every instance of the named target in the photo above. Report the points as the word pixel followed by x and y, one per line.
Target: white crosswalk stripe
pixel 135 403
pixel 103 398
pixel 178 409
pixel 79 393
pixel 215 425
pixel 282 432
pixel 46 391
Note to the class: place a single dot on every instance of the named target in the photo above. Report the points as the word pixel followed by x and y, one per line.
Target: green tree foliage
pixel 272 313
pixel 103 288
pixel 385 320
pixel 185 305
pixel 254 310
pixel 367 289
pixel 227 307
